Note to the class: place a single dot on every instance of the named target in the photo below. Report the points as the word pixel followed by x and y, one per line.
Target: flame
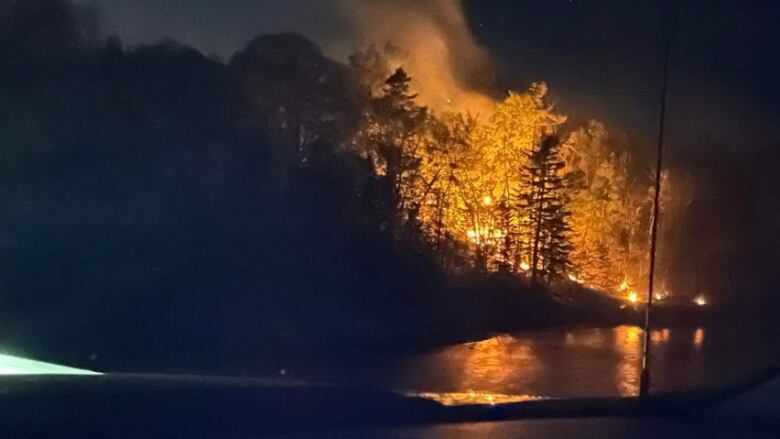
pixel 700 300
pixel 484 235
pixel 487 200
pixel 629 293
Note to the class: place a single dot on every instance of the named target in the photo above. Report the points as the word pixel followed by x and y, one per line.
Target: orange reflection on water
pixel 487 372
pixel 698 338
pixel 595 339
pixel 661 336
pixel 492 363
pixel 472 397
pixel 502 368
pixel 628 344
pixel 555 363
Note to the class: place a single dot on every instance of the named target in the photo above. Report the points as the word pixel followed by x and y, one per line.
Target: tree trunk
pixel 538 231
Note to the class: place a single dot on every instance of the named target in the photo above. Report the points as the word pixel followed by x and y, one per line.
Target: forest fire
pixel 517 193
pixel 503 181
pixel 398 222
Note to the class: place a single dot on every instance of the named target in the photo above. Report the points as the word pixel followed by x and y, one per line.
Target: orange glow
pixel 486 368
pixel 428 39
pixel 487 200
pixel 633 297
pixel 472 397
pixel 661 336
pixel 628 341
pixel 698 337
pixel 700 300
pixel 661 295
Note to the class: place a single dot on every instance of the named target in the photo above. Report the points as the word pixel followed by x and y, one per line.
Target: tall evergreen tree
pixel 392 137
pixel 545 203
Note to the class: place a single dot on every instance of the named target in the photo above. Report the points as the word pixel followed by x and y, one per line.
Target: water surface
pixel 550 363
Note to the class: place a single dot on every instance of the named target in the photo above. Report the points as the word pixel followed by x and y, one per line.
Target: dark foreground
pixel 470 310
pixel 182 406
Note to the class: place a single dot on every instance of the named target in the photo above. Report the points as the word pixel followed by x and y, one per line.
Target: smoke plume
pixel 448 66
pixel 440 52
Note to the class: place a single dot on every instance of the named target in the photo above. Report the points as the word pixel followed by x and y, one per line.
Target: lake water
pixel 550 363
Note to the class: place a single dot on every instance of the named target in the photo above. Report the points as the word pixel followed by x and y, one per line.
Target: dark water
pixel 550 363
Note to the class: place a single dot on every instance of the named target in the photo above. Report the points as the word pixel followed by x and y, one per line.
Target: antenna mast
pixel 644 380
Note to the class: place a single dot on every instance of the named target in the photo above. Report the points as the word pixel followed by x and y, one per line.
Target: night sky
pixel 600 58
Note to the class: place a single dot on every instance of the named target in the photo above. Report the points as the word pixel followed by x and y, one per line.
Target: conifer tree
pixel 545 203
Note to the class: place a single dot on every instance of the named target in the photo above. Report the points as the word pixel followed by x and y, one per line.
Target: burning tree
pixel 544 199
pixel 597 178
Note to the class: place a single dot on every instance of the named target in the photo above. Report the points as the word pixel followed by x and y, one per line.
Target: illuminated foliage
pixel 596 182
pixel 501 193
pixel 610 212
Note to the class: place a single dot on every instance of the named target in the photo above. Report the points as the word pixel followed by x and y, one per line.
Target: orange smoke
pixel 439 51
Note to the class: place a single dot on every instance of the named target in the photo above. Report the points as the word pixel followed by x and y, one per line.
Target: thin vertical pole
pixel 644 380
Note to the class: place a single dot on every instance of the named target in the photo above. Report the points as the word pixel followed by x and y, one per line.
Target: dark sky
pixel 600 58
